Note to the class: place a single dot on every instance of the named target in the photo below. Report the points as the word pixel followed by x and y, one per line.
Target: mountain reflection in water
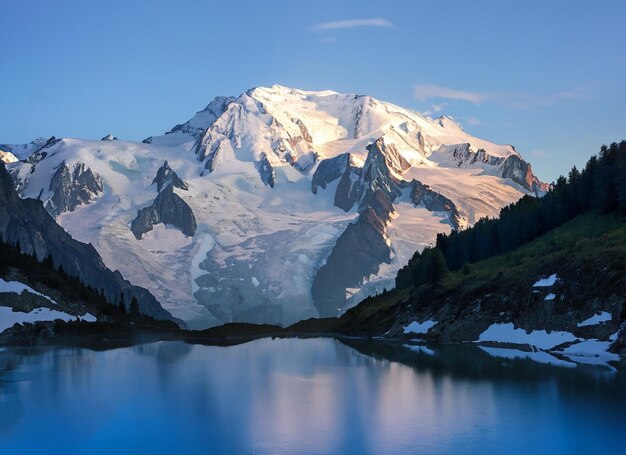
pixel 303 396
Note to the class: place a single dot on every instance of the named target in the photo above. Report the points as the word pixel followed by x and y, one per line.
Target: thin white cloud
pixel 435 108
pixel 424 92
pixel 473 121
pixel 353 23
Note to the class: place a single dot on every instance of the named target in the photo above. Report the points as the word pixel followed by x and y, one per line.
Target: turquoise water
pixel 303 396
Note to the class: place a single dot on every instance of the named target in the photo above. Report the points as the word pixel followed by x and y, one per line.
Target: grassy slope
pixel 589 242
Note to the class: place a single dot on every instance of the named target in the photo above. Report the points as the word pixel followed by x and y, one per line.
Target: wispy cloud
pixel 473 121
pixel 424 92
pixel 353 23
pixel 435 108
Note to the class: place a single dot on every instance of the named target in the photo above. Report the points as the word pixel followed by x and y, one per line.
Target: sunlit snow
pixel 282 234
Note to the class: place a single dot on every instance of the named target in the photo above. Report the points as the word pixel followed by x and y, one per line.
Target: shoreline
pixel 102 336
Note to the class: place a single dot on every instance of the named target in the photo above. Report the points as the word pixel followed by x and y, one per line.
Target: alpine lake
pixel 309 396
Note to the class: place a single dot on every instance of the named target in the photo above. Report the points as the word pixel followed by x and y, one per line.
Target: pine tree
pixel 134 307
pixel 601 185
pixel 439 269
pixel 122 305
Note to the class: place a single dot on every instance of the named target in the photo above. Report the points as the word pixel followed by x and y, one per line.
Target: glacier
pixel 282 185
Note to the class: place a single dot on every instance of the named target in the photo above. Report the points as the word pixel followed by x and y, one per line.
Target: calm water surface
pixel 303 396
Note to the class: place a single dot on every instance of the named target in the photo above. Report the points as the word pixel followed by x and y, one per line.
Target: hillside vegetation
pixel 599 188
pixel 485 274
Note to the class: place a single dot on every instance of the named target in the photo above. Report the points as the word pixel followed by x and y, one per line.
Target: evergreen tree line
pixel 600 186
pixel 56 278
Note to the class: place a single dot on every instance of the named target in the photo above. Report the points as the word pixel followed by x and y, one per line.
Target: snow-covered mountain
pixel 274 206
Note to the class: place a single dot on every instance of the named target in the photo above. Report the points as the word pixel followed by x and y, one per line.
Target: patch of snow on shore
pixel 8 317
pixel 546 282
pixel 596 319
pixel 18 288
pixel 591 351
pixel 507 333
pixel 419 327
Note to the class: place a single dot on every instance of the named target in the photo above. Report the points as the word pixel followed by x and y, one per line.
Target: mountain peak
pixel 448 122
pixel 255 192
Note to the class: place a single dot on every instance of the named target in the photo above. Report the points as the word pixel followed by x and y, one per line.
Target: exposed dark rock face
pixel 71 189
pixel 26 223
pixel 211 160
pixel 512 167
pixel 266 171
pixel 465 157
pixel 394 160
pixel 363 185
pixel 435 202
pixel 38 149
pixel 380 202
pixel 167 208
pixel 166 176
pixel 358 253
pixel 360 115
pixel 342 166
pixel 303 130
pixel 376 174
pixel 109 137
pixel 363 246
pixel 346 194
pixel 330 170
pixel 36 157
pixel 521 172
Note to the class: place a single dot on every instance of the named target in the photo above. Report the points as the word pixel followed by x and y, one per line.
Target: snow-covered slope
pixel 274 190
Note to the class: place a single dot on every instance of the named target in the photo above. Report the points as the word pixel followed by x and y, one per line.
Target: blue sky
pixel 548 77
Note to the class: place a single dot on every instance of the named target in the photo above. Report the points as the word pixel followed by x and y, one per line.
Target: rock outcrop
pixel 341 167
pixel 330 170
pixel 423 195
pixel 346 193
pixel 71 189
pixel 26 223
pixel 512 166
pixel 376 174
pixel 167 208
pixel 266 171
pixel 166 176
pixel 363 246
pixel 518 170
pixel 358 253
